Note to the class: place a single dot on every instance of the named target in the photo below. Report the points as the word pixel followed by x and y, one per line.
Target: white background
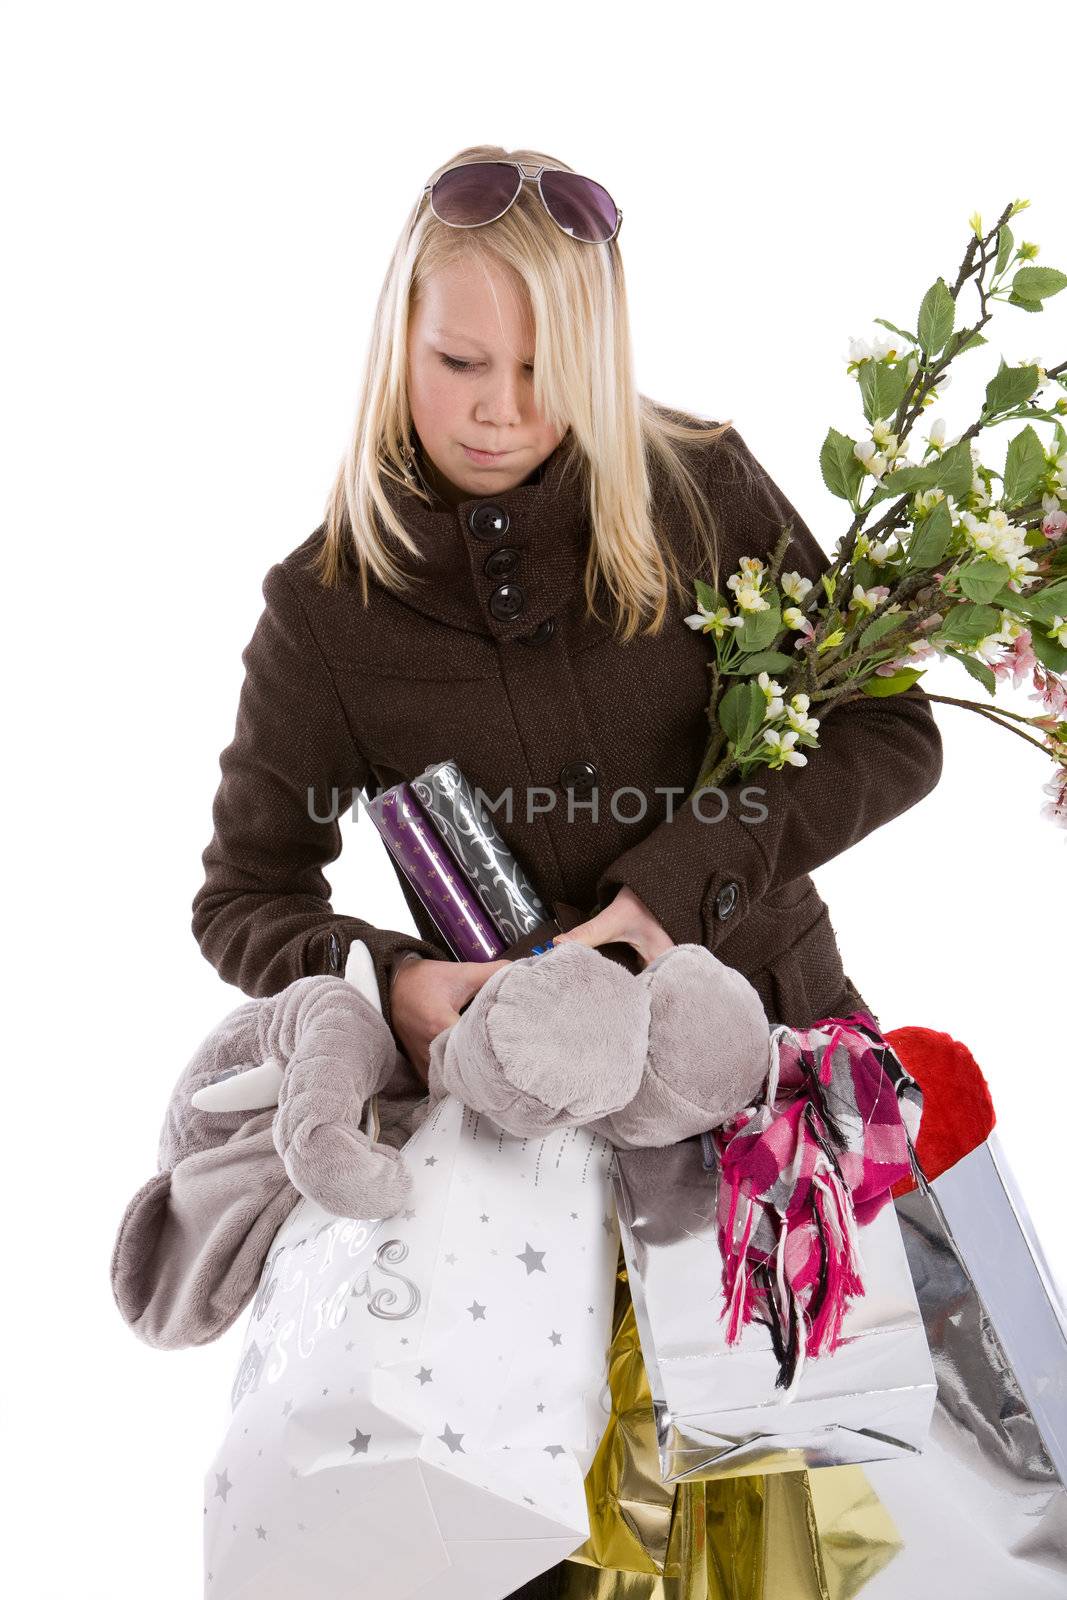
pixel 200 203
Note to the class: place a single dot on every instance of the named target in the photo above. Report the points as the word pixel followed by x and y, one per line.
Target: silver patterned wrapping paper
pixel 718 1412
pixel 468 830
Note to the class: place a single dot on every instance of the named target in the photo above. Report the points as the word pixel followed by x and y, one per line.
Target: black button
pixel 488 521
pixel 726 900
pixel 578 775
pixel 543 631
pixel 501 562
pixel 506 602
pixel 334 948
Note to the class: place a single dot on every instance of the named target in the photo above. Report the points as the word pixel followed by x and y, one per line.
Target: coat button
pixel 541 633
pixel 501 562
pixel 578 775
pixel 726 900
pixel 488 521
pixel 506 602
pixel 334 948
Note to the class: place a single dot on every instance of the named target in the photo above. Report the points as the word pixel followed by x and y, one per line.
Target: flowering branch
pixel 963 560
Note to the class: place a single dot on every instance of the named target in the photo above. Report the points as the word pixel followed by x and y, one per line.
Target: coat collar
pixel 547 525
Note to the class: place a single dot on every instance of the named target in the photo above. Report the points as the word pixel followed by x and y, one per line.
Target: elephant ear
pixel 227 1050
pixel 191 1246
pixel 135 1247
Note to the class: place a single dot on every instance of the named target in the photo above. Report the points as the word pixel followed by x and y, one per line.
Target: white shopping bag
pixel 419 1399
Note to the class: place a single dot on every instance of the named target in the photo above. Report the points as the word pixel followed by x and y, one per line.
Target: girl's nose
pixel 500 403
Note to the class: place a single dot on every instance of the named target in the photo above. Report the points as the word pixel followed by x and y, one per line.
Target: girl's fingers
pixel 606 927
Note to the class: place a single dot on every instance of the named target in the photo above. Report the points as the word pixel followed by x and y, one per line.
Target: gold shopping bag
pixel 805 1535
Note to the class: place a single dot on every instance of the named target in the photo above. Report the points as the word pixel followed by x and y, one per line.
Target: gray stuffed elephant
pixel 272 1105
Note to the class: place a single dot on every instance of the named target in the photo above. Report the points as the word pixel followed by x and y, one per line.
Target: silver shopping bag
pixel 718 1410
pixel 995 1240
pixel 983 1511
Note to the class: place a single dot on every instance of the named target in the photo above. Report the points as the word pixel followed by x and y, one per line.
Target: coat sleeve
pixel 262 915
pixel 876 758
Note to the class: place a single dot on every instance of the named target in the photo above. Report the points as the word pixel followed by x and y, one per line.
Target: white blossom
pixel 796 586
pixel 781 747
pixel 713 621
pixel 874 462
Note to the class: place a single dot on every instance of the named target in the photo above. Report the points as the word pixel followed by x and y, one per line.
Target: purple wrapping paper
pixel 435 875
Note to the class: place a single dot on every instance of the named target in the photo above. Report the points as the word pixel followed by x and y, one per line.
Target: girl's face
pixel 470 382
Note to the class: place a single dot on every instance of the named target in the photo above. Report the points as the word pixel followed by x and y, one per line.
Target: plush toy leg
pixel 708 1050
pixel 550 1041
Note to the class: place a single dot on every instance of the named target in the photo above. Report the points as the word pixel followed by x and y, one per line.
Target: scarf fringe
pixel 803 1312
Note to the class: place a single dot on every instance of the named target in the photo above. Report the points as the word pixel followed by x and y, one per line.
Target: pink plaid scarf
pixel 801 1170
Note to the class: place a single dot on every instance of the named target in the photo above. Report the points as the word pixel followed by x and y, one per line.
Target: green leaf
pixel 937 317
pixel 842 473
pixel 977 669
pixel 1005 245
pixel 882 388
pixel 1049 651
pixel 955 470
pixel 962 340
pixel 763 661
pixel 903 332
pixel 760 628
pixel 741 712
pixel 1009 387
pixel 982 579
pixel 886 623
pixel 893 684
pixel 1038 283
pixel 932 536
pixel 1024 467
pixel 708 597
pixel 906 480
pixel 1025 305
pixel 968 624
pixel 1043 604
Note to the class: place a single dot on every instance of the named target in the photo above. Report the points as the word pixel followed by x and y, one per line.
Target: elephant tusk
pixel 242 1091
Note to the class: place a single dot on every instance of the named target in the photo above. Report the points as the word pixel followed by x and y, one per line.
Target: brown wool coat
pixel 522 690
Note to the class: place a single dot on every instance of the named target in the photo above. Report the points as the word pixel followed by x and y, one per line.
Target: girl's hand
pixel 628 920
pixel 425 997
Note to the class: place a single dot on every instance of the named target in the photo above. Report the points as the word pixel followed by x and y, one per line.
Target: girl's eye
pixel 455 365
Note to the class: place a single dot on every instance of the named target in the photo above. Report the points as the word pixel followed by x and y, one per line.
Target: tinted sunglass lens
pixel 581 207
pixel 478 192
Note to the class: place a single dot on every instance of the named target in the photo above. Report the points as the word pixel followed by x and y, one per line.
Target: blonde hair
pixel 583 381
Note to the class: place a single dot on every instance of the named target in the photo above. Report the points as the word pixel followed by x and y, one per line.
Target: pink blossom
pixel 1055 525
pixel 1019 661
pixel 1055 808
pixel 1051 691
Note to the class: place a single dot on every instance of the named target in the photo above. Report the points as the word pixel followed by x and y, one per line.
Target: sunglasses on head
pixel 477 192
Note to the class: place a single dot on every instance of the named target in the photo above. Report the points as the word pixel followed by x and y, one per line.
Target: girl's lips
pixel 486 457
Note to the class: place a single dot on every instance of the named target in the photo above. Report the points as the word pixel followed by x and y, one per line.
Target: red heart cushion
pixel 958 1112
